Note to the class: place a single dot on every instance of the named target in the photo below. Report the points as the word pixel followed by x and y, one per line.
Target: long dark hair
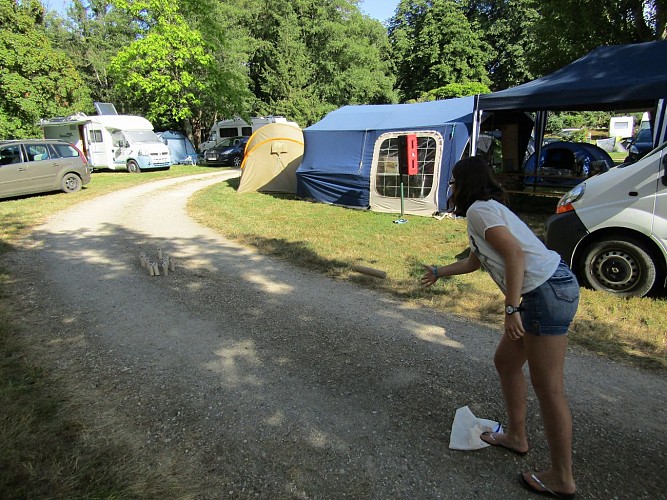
pixel 473 181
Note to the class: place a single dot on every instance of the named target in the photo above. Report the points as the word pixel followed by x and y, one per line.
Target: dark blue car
pixel 228 152
pixel 640 145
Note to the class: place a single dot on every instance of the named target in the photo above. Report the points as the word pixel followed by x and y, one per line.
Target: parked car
pixel 40 165
pixel 640 145
pixel 228 152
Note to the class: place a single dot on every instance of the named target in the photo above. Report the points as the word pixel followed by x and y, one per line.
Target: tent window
pixel 388 182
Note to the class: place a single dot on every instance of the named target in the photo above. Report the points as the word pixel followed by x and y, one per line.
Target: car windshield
pixel 139 136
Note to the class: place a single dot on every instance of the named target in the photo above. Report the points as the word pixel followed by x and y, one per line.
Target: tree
pixel 434 45
pixel 223 26
pixel 170 72
pixel 36 80
pixel 93 33
pixel 507 27
pixel 311 57
pixel 569 29
pixel 453 90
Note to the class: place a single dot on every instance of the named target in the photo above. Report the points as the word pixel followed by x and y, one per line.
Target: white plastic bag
pixel 467 429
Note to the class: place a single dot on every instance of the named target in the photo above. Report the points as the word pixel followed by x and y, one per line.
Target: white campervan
pixel 112 141
pixel 238 127
pixel 612 228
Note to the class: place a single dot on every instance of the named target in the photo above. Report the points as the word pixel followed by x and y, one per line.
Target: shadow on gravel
pixel 273 381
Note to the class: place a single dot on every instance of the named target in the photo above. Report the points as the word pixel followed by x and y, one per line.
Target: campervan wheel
pixel 133 167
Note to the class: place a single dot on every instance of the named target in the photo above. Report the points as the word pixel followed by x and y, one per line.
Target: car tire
pixel 70 183
pixel 237 161
pixel 133 167
pixel 622 267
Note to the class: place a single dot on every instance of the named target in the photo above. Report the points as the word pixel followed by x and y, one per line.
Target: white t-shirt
pixel 540 262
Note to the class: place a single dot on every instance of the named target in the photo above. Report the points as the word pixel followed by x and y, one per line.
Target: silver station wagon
pixel 31 166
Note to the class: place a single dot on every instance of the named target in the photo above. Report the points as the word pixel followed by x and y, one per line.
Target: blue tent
pixel 351 155
pixel 566 164
pixel 180 147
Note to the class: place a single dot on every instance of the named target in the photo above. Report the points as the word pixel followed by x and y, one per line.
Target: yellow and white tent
pixel 272 155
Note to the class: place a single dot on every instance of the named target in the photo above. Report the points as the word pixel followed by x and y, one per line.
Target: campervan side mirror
pixel 407 155
pixel 664 169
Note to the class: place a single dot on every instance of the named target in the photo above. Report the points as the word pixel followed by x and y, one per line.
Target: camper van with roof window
pixel 116 142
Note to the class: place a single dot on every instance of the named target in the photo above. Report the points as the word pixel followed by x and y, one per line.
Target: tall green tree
pixel 311 57
pixel 568 29
pixel 93 32
pixel 170 71
pixel 434 45
pixel 223 26
pixel 507 26
pixel 453 90
pixel 36 80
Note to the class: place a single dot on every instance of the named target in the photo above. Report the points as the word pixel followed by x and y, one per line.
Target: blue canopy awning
pixel 610 78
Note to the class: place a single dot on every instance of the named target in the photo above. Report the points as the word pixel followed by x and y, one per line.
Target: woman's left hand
pixel 513 326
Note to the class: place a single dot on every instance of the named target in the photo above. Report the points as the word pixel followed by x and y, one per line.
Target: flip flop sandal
pixel 546 491
pixel 494 442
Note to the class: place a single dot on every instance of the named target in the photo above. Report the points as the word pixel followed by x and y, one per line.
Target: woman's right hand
pixel 429 276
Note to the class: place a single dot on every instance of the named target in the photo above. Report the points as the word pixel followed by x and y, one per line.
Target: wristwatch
pixel 512 309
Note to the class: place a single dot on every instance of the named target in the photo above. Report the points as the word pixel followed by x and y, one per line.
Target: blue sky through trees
pixel 379 9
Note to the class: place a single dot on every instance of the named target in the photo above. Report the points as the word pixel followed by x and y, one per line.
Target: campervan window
pixel 96 136
pixel 388 181
pixel 228 132
pixel 138 136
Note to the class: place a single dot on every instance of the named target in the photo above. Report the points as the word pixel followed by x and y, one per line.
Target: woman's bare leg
pixel 546 360
pixel 509 360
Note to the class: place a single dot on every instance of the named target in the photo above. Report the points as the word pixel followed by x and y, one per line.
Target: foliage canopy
pixel 185 64
pixel 36 79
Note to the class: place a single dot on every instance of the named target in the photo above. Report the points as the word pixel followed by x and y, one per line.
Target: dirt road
pixel 247 377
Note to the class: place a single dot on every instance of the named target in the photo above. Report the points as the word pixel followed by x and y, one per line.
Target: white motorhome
pixel 621 126
pixel 112 141
pixel 238 127
pixel 612 228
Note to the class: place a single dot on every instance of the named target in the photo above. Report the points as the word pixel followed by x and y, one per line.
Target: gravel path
pixel 250 377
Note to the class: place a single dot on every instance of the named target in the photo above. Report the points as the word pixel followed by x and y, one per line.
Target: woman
pixel 541 298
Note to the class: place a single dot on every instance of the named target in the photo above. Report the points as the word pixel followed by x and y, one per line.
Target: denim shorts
pixel 549 309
